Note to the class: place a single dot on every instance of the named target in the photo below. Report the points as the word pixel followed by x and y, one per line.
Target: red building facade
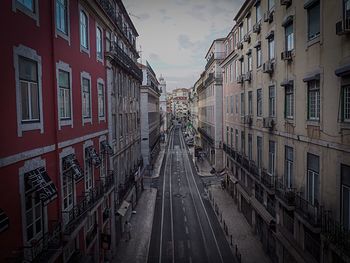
pixel 57 190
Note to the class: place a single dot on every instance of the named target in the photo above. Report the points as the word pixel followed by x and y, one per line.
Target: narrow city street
pixel 185 227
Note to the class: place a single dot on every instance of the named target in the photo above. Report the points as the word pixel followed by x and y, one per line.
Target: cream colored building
pixel 210 105
pixel 286 128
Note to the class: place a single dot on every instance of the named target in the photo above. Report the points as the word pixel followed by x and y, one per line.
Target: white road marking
pixel 185 218
pixel 186 229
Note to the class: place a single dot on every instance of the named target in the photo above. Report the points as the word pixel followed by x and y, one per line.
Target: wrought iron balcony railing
pixel 206 136
pixel 88 201
pixel 311 213
pixel 123 60
pixel 43 249
pixel 91 235
pixel 336 233
pixel 268 180
pixel 287 195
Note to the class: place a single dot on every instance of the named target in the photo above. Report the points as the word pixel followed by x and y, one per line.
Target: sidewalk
pixel 158 164
pixel 203 167
pixel 249 246
pixel 136 249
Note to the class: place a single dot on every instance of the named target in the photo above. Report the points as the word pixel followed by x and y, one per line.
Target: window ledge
pixel 313 41
pixel 87 120
pixel 312 123
pixel 64 122
pixel 63 35
pixel 84 50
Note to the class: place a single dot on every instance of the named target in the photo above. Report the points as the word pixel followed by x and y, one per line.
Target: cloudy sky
pixel 176 34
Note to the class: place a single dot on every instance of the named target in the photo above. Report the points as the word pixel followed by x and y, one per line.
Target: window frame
pixel 272 158
pixel 86 119
pixel 287 39
pixel 317 90
pixel 272 101
pixel 344 186
pixel 345 104
pixel 314 194
pixel 59 32
pixel 288 166
pixel 100 82
pixel 31 54
pixel 308 19
pixel 259 102
pixel 289 92
pixel 259 149
pixel 97 29
pixel 258 57
pixel 82 47
pixel 62 66
pixel 271 48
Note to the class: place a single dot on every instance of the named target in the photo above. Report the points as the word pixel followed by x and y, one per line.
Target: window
pixel 288 166
pixel 227 130
pixel 61 16
pixel 259 102
pixel 314 100
pixel 259 146
pixel 272 101
pixel 272 156
pixel 250 102
pixel 249 23
pixel 33 213
pixel 101 100
pixel 67 189
pixel 242 66
pixel 99 37
pixel 346 103
pixel 236 103
pixel 88 171
pixel 236 139
pixel 231 98
pixel 237 68
pixel 271 44
pixel 313 17
pixel 86 98
pixel 64 95
pixel 289 37
pixel 345 196
pixel 258 56
pixel 313 164
pixel 258 12
pixel 227 104
pixel 289 102
pixel 250 147
pixel 271 4
pixel 84 28
pixel 29 89
pixel 242 105
pixel 250 62
pixel 231 137
pixel 242 142
pixel 108 41
pixel 231 72
pixel 241 32
pixel 29 4
pixel 114 126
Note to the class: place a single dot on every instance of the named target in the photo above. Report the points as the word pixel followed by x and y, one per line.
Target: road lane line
pixel 186 229
pixel 185 218
pixel 171 216
pixel 200 198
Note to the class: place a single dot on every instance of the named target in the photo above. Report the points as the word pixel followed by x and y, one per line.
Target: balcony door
pixel 345 198
pixel 313 163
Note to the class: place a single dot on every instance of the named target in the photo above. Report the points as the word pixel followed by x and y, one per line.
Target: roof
pixel 215 40
pixel 242 9
pixel 121 5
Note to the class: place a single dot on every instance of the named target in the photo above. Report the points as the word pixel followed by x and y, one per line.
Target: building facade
pixel 286 125
pixel 210 120
pixel 57 147
pixel 164 115
pixel 180 104
pixel 150 116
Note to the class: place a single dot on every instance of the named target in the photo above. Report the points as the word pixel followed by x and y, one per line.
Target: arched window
pixel 84 29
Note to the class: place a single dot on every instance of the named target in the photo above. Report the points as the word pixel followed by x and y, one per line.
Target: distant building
pixel 165 117
pixel 150 115
pixel 210 105
pixel 180 102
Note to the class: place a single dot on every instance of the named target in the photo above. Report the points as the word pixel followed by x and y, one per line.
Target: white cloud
pixel 175 34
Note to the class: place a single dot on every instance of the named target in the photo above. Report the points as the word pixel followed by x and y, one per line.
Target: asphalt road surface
pixel 185 227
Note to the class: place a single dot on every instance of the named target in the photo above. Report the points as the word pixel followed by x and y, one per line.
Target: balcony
pixel 206 136
pixel 307 211
pixel 247 189
pixel 90 235
pixel 245 163
pixel 45 248
pixel 287 55
pixel 87 202
pixel 117 19
pixel 286 195
pixel 254 170
pixel 123 60
pixel 268 180
pixel 336 233
pixel 257 28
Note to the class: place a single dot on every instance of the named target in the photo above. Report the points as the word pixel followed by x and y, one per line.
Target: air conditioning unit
pixel 257 28
pixel 286 2
pixel 343 27
pixel 268 16
pixel 246 38
pixel 240 78
pixel 268 67
pixel 268 122
pixel 286 55
pixel 248 76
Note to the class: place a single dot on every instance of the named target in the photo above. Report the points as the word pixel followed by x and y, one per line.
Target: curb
pixel 154 209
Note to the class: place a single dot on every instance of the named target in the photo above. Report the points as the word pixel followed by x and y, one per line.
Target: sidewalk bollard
pixel 231 241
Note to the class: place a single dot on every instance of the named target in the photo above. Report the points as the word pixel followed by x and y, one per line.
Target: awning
pixel 4 221
pixel 262 211
pixel 287 20
pixel 271 34
pixel 312 76
pixel 343 71
pixel 106 148
pixel 71 167
pixel 257 44
pixel 38 180
pixel 93 156
pixel 287 82
pixel 123 208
